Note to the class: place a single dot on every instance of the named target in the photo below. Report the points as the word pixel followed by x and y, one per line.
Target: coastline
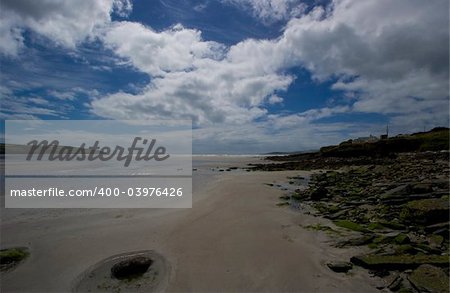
pixel 234 238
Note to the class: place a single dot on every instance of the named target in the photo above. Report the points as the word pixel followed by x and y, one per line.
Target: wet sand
pixel 234 238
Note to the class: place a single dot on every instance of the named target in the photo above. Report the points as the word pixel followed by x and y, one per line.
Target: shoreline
pixel 234 238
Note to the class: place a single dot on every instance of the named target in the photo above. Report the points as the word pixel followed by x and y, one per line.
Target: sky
pixel 254 76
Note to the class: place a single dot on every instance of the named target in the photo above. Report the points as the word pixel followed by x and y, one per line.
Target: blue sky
pixel 253 75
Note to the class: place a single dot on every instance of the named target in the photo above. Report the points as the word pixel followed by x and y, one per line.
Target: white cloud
pixel 270 11
pixel 38 101
pixel 156 53
pixel 67 23
pixel 389 57
pixel 392 57
pixel 274 99
pixel 16 107
pixel 11 39
pixel 67 95
pixel 389 61
pixel 263 137
pixel 191 78
pixel 200 7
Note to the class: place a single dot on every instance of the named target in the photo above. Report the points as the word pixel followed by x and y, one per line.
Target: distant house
pixel 384 136
pixel 370 138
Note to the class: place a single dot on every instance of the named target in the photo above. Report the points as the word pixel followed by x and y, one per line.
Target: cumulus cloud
pixel 191 78
pixel 391 57
pixel 157 53
pixel 67 23
pixel 388 57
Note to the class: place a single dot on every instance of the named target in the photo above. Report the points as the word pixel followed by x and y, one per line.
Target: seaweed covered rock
pixel 428 278
pixel 427 211
pixel 11 257
pixel 401 261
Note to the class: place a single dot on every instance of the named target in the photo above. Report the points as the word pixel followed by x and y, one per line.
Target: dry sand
pixel 234 238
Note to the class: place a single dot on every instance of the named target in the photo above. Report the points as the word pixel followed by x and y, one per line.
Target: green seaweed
pixel 350 225
pixel 12 255
pixel 399 261
pixel 428 278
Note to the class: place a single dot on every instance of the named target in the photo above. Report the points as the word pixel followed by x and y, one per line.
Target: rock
pixel 396 284
pixel 392 225
pixel 405 249
pixel 380 273
pixel 435 240
pixel 428 278
pixel 421 188
pixel 437 226
pixel 443 232
pixel 337 215
pixel 391 235
pixel 402 239
pixel 427 211
pixel 340 267
pixel 357 241
pixel 131 268
pixel 319 194
pixel 400 261
pixel 399 190
pixel 426 249
pixel 11 257
pixel 351 226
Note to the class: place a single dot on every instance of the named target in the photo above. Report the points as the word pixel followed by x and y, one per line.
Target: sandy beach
pixel 234 239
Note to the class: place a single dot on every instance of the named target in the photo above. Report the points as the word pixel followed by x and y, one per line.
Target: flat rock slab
pixel 401 261
pixel 141 271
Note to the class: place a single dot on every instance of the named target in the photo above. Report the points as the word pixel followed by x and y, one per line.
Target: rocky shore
pixel 397 207
pixel 389 199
